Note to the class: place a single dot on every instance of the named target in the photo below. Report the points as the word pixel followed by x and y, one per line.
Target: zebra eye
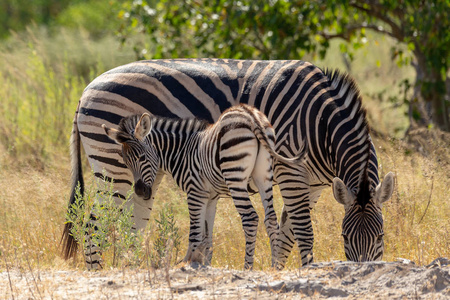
pixel 380 238
pixel 142 158
pixel 345 238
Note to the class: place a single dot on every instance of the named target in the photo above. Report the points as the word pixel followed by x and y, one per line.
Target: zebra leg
pixel 197 204
pixel 249 219
pixel 263 178
pixel 295 223
pixel 92 252
pixel 285 240
pixel 209 226
pixel 298 225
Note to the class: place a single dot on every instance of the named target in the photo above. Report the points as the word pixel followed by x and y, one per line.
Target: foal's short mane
pixel 338 81
pixel 128 124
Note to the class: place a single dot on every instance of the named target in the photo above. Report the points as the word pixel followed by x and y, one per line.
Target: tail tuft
pixel 69 244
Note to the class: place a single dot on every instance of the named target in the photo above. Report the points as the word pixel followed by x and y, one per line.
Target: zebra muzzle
pixel 142 189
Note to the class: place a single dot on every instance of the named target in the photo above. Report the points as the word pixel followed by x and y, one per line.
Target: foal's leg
pixel 237 156
pixel 197 204
pixel 263 178
pixel 249 219
pixel 209 225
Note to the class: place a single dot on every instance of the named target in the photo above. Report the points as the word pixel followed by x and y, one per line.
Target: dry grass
pixel 417 226
pixel 32 204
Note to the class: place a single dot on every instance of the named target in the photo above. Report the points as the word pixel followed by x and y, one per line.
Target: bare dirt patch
pixel 376 280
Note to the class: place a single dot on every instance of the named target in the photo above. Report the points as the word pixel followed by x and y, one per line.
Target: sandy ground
pixel 374 280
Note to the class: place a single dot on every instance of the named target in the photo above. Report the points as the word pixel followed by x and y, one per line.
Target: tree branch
pixel 376 10
pixel 351 29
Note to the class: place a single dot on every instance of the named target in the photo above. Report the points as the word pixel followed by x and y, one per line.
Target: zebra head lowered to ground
pixel 362 227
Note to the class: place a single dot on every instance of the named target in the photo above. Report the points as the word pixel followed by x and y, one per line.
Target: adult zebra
pixel 302 103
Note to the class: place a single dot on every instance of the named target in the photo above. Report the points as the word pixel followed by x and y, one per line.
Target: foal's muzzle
pixel 142 189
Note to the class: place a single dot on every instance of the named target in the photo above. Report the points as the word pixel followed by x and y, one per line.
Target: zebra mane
pixel 364 193
pixel 126 128
pixel 340 81
pixel 128 124
pixel 179 125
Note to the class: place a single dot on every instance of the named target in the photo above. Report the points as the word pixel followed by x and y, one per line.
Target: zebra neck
pixel 358 167
pixel 176 145
pixel 353 158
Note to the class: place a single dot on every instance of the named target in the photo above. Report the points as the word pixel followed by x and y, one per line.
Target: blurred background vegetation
pixel 396 50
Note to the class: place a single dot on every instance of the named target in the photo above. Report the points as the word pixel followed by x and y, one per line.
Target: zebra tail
pixel 264 140
pixel 69 244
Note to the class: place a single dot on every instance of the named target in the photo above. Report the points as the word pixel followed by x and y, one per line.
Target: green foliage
pixel 17 14
pixel 423 27
pixel 167 239
pixel 91 16
pixel 113 223
pixel 35 102
pixel 41 86
pixel 97 17
pixel 117 241
pixel 233 29
pixel 289 29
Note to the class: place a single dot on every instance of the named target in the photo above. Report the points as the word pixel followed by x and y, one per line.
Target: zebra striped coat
pixel 301 102
pixel 207 161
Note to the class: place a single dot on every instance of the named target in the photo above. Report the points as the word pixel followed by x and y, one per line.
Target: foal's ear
pixel 113 134
pixel 143 127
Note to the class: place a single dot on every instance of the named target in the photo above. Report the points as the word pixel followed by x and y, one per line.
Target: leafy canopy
pixel 282 29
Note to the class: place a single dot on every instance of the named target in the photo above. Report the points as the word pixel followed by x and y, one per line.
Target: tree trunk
pixel 433 92
pixel 440 114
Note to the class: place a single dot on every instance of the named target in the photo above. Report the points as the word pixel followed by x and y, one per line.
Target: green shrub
pixel 114 224
pixel 167 239
pixel 118 242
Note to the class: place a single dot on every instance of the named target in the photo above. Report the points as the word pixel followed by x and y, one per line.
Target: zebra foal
pixel 207 161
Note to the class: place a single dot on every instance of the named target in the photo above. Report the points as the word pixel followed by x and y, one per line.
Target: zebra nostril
pixel 139 187
pixel 363 258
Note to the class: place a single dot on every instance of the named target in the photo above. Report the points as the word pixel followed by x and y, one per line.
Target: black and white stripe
pixel 302 102
pixel 207 162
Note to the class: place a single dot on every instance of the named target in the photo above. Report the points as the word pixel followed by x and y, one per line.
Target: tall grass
pixel 42 77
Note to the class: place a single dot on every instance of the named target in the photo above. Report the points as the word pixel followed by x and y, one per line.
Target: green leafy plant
pixel 167 239
pixel 99 220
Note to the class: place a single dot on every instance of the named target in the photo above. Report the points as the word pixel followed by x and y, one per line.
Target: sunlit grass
pixel 417 225
pixel 42 77
pixel 40 88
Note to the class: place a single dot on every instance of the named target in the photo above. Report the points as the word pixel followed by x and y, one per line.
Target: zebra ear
pixel 112 133
pixel 143 127
pixel 384 190
pixel 341 193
